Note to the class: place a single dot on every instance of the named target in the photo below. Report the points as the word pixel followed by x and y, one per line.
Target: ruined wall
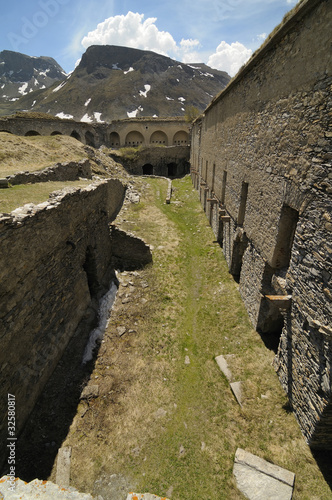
pixel 56 262
pixel 67 171
pixel 261 160
pixel 170 161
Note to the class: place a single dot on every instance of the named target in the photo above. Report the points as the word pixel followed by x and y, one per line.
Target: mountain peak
pixel 114 82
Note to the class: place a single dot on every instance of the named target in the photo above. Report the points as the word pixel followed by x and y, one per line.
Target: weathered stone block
pixel 261 480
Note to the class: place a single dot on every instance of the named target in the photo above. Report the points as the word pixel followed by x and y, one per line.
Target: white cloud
pixel 229 57
pixel 261 37
pixel 188 50
pixel 131 30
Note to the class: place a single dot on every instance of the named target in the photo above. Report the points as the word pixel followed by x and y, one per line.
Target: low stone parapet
pixel 68 171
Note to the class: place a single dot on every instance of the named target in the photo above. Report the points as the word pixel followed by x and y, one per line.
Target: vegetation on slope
pixel 36 152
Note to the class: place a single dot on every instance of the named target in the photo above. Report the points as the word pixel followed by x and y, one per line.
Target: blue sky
pixel 221 33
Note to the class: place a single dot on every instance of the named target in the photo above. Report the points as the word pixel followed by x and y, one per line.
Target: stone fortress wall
pixel 119 133
pixel 56 262
pixel 163 143
pixel 261 161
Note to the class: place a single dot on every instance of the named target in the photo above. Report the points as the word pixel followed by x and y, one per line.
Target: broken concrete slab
pixel 223 365
pixel 63 467
pixel 237 391
pixel 258 479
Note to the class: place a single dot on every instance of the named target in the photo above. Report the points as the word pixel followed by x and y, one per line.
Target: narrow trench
pixel 49 422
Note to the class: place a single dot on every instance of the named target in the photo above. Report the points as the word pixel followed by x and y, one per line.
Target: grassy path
pixel 172 427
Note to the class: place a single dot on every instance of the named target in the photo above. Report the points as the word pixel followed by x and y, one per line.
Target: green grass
pixel 196 310
pixel 192 308
pixel 17 196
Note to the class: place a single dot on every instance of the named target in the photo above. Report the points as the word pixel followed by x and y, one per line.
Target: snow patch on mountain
pixel 63 115
pixel 86 118
pixel 62 84
pixel 147 89
pixel 98 117
pixel 22 89
pixel 133 114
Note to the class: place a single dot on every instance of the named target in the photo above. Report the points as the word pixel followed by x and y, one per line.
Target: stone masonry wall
pixel 171 161
pixel 261 160
pixel 56 262
pixel 68 171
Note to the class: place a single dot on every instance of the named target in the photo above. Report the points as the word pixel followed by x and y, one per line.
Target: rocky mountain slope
pixel 21 75
pixel 114 82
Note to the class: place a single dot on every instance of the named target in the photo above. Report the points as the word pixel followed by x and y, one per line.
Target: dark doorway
pixel 172 169
pixel 89 139
pixel 31 133
pixel 76 135
pixel 147 169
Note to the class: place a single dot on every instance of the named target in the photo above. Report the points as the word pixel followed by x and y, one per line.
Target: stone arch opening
pixel 286 230
pixel 114 139
pixel 172 169
pixel 270 318
pixel 147 169
pixel 181 138
pixel 134 139
pixel 56 132
pixel 7 131
pixel 90 139
pixel 31 133
pixel 159 137
pixel 272 312
pixel 243 203
pixel 76 135
pixel 239 247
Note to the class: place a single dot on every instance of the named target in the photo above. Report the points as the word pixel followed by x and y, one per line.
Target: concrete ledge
pixel 258 479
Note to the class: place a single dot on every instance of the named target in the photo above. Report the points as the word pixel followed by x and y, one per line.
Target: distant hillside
pixel 21 75
pixel 114 82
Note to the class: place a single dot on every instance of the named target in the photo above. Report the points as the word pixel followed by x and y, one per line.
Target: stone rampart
pixel 118 133
pixel 261 160
pixel 67 171
pixel 56 262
